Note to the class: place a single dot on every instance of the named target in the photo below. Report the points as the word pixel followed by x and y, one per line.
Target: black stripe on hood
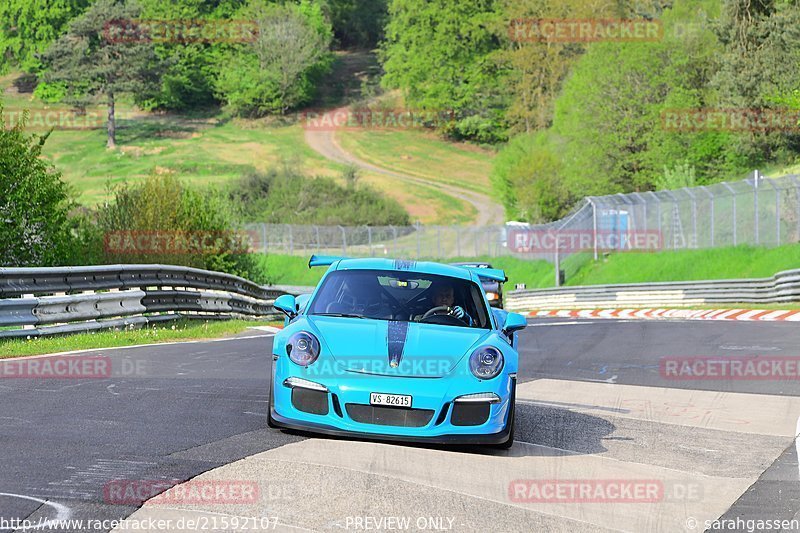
pixel 396 341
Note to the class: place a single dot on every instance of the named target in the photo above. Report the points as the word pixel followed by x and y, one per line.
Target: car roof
pixel 423 267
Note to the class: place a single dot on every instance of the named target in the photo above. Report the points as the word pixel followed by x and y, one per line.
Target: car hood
pixel 372 346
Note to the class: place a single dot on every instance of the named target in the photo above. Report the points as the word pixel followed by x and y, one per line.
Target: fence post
pixel 755 205
pixel 264 236
pixel 694 214
pixel 291 240
pixel 344 241
pixel 369 239
pixel 557 262
pixel 594 226
pixel 394 241
pixel 319 245
pixel 797 204
pixel 439 242
pixel 733 198
pixel 418 237
pixel 458 241
pixel 711 198
pixel 777 212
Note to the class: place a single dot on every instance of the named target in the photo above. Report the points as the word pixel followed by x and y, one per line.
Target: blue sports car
pixel 399 350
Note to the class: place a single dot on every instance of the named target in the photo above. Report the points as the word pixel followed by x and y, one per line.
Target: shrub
pixel 34 202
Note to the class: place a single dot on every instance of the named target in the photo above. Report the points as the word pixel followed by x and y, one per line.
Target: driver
pixel 444 296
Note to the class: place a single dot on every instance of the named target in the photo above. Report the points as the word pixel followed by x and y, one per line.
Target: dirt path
pixel 324 142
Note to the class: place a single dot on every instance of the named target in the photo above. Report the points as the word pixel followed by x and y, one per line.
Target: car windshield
pixel 402 296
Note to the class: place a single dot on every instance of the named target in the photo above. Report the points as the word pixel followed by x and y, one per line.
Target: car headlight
pixel 302 348
pixel 486 362
pixel 491 296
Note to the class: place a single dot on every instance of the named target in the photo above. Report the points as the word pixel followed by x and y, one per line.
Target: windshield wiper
pixel 342 315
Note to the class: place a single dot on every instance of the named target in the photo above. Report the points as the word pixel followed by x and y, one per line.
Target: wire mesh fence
pixel 757 211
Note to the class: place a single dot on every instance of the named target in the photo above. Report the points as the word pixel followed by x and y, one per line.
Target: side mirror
pixel 286 305
pixel 514 322
pixel 301 301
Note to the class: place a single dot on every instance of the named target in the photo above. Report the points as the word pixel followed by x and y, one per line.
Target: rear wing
pixel 323 260
pixel 494 274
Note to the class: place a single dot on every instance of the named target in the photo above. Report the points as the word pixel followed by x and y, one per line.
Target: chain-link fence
pixel 757 211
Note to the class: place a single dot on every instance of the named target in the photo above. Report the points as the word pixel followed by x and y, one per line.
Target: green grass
pixel 289 270
pixel 169 332
pixel 688 265
pixel 422 154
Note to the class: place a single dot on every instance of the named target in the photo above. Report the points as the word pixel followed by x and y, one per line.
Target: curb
pixel 746 315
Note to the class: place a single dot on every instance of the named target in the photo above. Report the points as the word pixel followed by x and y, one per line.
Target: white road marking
pixel 62 511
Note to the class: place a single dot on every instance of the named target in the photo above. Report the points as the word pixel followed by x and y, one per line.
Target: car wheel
pixel 510 441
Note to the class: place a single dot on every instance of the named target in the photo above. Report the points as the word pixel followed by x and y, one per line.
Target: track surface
pixel 591 405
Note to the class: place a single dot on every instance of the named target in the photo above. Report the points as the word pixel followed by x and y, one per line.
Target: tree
pixel 276 72
pixel 28 27
pixel 92 60
pixel 438 53
pixel 759 68
pixel 358 23
pixel 532 71
pixel 34 202
pixel 610 109
pixel 528 176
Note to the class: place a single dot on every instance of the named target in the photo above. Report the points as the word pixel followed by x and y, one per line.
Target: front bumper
pixel 434 395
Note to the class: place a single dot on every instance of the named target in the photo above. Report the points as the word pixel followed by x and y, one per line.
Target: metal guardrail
pixel 783 287
pixel 47 301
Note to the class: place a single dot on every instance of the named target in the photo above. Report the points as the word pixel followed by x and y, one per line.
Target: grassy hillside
pixel 721 263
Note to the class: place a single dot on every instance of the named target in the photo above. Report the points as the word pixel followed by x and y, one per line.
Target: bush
pixel 286 196
pixel 527 175
pixel 34 202
pixel 163 221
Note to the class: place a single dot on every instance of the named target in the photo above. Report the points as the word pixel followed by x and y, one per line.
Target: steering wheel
pixel 443 318
pixel 435 310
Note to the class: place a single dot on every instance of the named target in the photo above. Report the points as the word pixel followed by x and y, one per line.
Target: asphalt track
pixel 592 404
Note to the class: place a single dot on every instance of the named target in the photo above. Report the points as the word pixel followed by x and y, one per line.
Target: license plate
pixel 394 400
